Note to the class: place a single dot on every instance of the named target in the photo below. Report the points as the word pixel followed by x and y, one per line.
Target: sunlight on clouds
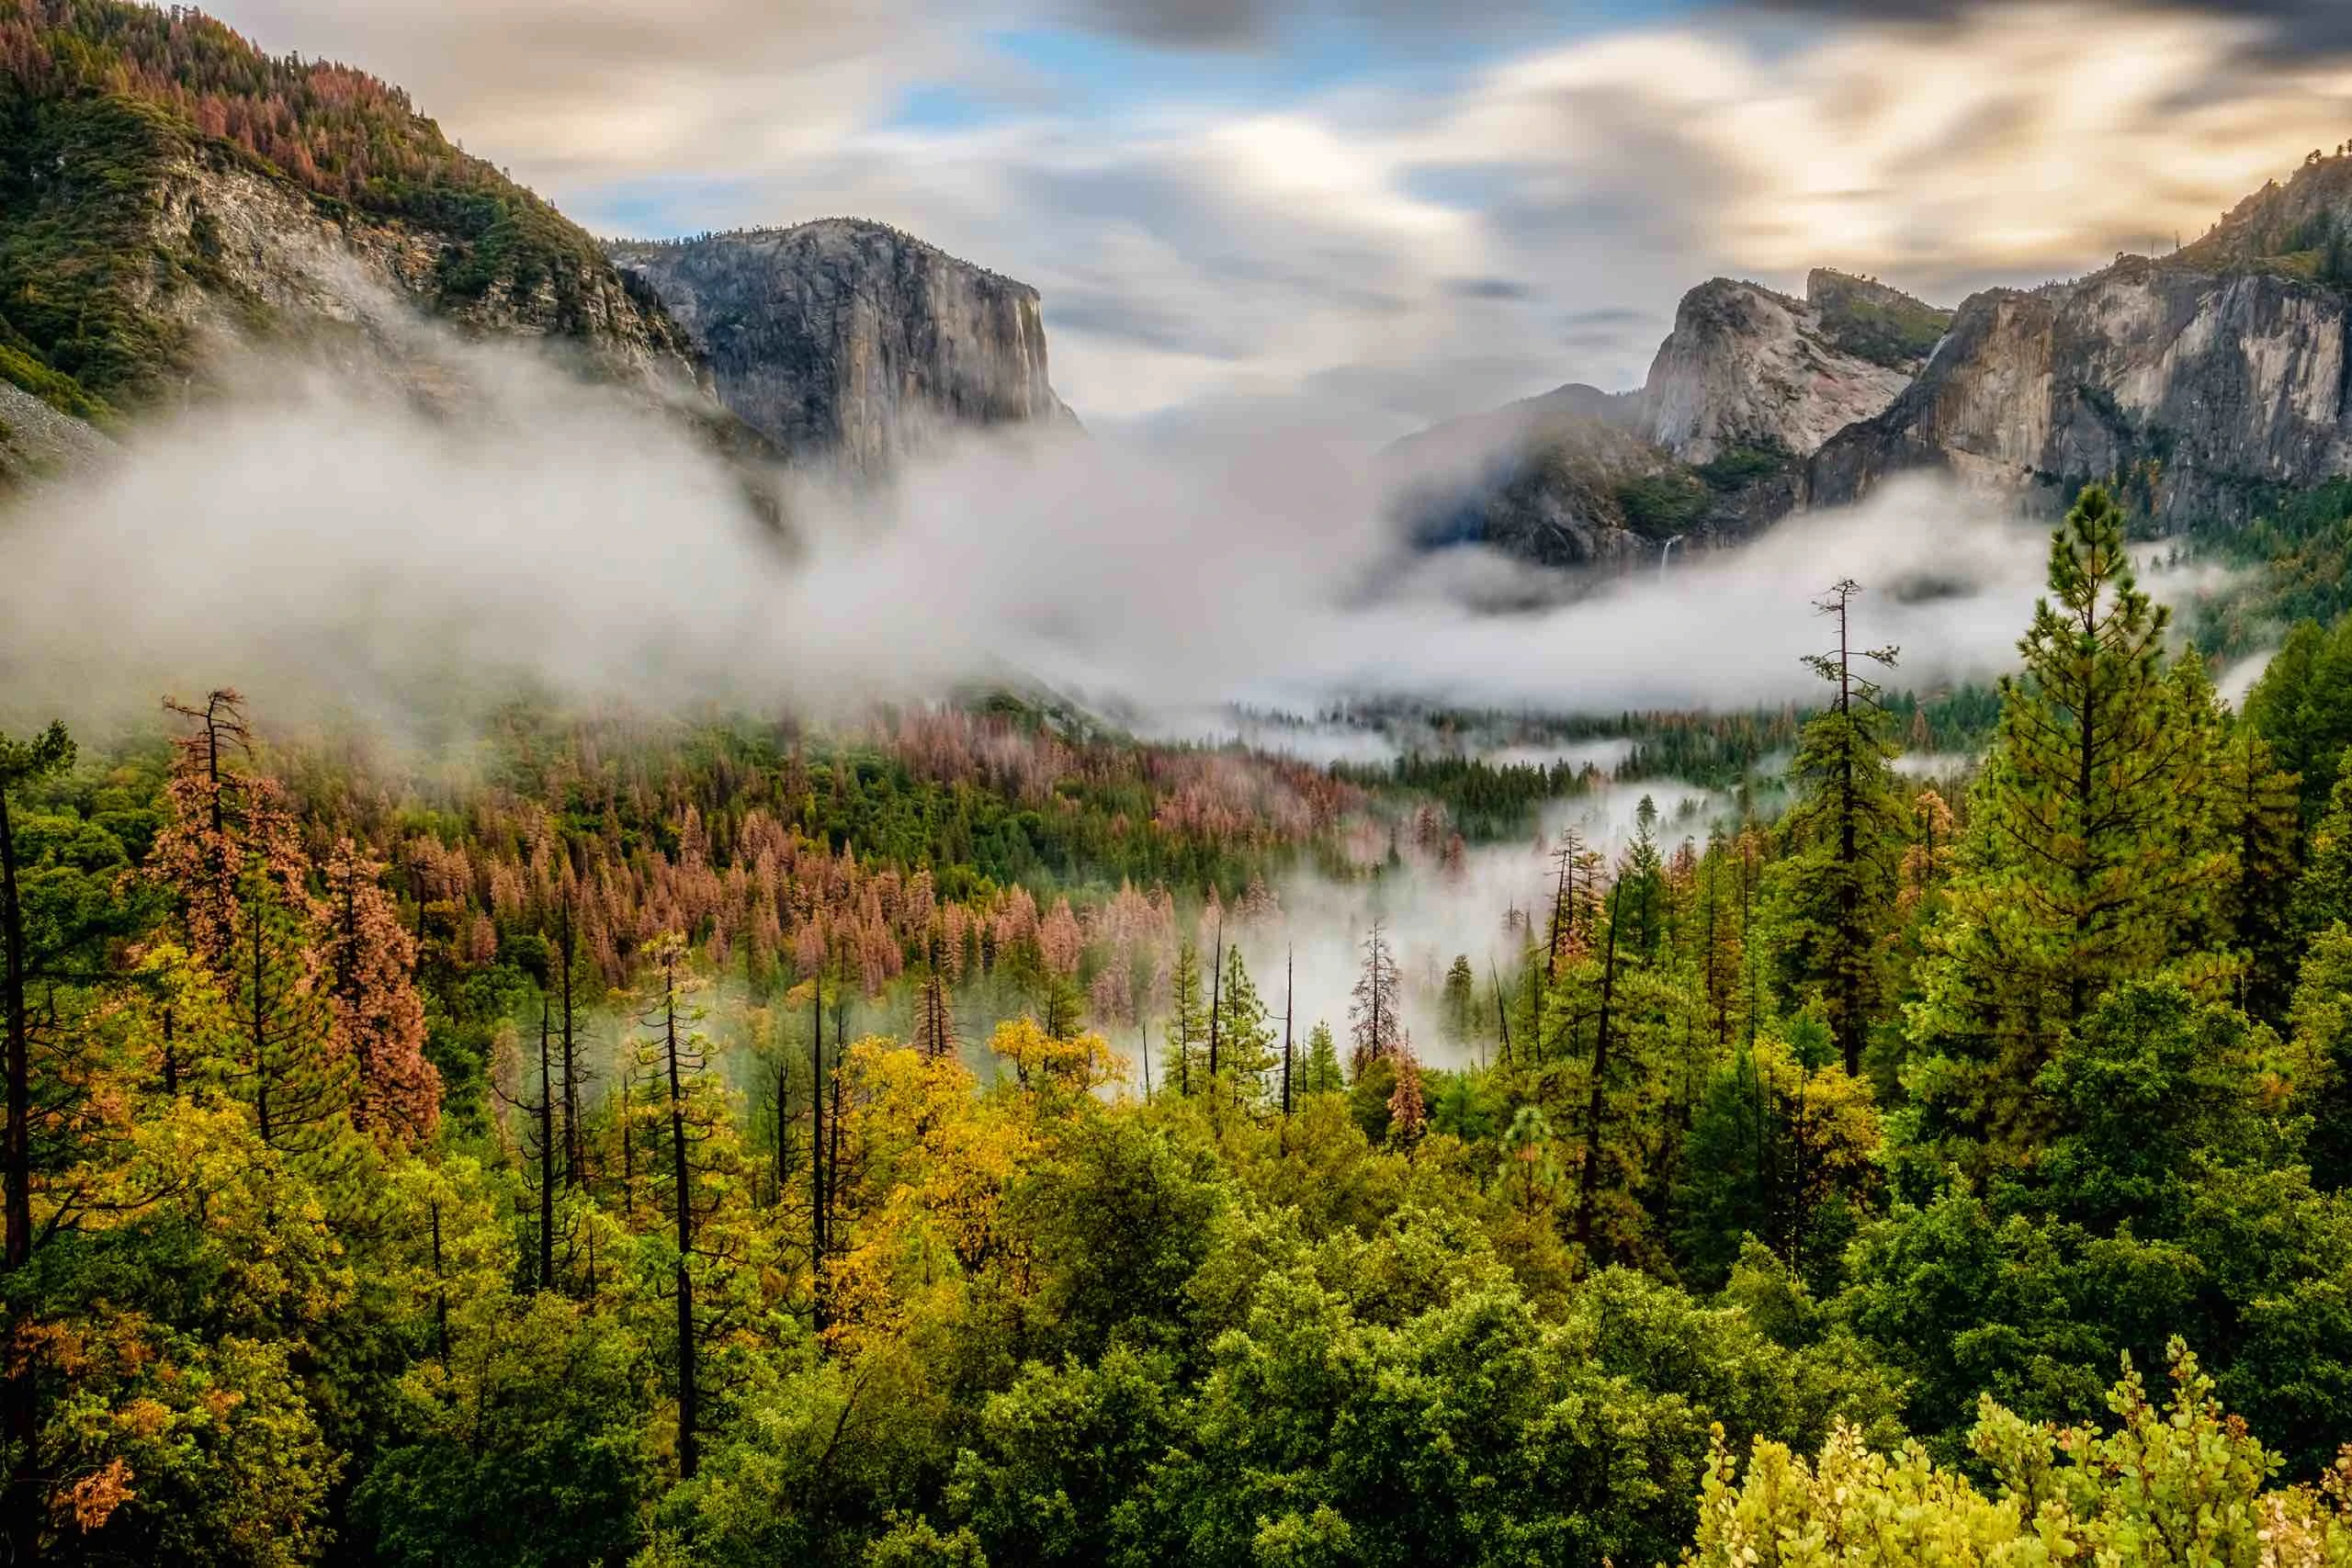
pixel 2019 140
pixel 1254 243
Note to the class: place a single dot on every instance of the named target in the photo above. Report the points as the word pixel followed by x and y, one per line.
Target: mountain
pixel 2207 386
pixel 2209 382
pixel 1711 447
pixel 848 337
pixel 164 185
pixel 165 188
pixel 1748 367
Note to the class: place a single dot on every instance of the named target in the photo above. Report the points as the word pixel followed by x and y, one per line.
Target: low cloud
pixel 327 545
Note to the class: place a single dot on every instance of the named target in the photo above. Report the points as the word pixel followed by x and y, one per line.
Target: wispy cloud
pixel 1304 203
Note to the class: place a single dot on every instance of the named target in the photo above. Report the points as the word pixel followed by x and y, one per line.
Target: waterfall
pixel 1666 556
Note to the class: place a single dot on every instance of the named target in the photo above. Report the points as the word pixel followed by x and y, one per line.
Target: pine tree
pixel 1187 1029
pixel 1246 1040
pixel 2303 706
pixel 1407 1113
pixel 1846 836
pixel 2321 1018
pixel 1575 898
pixel 1290 1009
pixel 1532 1169
pixel 1375 1020
pixel 2324 895
pixel 294 1079
pixel 1597 1078
pixel 2258 818
pixel 1641 873
pixel 378 1018
pixel 678 1057
pixel 1321 1073
pixel 573 988
pixel 2082 864
pixel 1459 1000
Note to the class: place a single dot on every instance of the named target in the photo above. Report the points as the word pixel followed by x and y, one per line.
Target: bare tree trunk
pixel 547 1154
pixel 1588 1179
pixel 689 1396
pixel 1290 1003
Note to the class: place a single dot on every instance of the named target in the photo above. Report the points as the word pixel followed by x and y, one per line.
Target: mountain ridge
pixel 166 187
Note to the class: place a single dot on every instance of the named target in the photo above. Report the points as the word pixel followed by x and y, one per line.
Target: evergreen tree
pixel 1246 1040
pixel 1320 1074
pixel 225 823
pixel 1186 1035
pixel 2324 897
pixel 1783 1149
pixel 2257 818
pixel 1375 1016
pixel 1845 834
pixel 934 1009
pixel 2322 1020
pixel 678 1056
pixel 1408 1107
pixel 1640 871
pixel 2085 863
pixel 369 963
pixel 1458 1002
pixel 290 1074
pixel 2303 706
pixel 22 764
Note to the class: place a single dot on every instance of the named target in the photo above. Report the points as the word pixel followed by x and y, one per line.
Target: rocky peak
pixel 848 338
pixel 1748 368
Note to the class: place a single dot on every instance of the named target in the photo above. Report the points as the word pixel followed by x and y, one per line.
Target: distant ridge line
pixel 768 231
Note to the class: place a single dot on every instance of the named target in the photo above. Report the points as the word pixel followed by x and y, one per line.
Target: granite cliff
pixel 848 338
pixel 1748 367
pixel 2206 383
pixel 1711 448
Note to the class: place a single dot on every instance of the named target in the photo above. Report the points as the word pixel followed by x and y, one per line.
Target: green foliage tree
pixel 531 1447
pixel 2086 863
pixel 2322 1020
pixel 1245 1040
pixel 1321 1073
pixel 1783 1149
pixel 2172 1482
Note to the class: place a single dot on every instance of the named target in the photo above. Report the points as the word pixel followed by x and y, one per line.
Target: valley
pixel 657 910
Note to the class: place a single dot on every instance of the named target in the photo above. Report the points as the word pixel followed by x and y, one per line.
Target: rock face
pixel 36 442
pixel 1710 449
pixel 1750 369
pixel 850 339
pixel 2204 383
pixel 2203 394
pixel 266 254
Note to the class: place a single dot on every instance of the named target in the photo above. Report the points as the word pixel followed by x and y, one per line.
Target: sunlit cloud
pixel 1220 242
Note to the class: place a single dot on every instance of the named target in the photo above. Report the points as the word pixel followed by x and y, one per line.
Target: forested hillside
pixel 159 176
pixel 629 1140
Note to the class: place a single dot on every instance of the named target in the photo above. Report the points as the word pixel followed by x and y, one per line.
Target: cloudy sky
pixel 1366 215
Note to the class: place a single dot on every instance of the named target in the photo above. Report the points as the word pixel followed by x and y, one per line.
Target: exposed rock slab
pixel 847 338
pixel 1750 369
